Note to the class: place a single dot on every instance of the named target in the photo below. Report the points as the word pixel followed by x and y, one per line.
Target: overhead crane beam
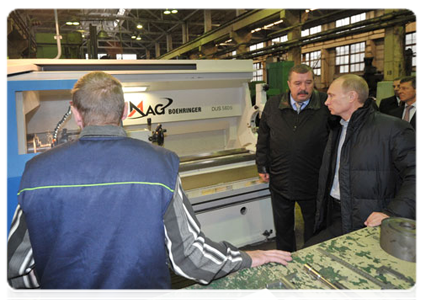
pixel 218 33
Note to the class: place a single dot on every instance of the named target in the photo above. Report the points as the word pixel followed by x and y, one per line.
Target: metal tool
pixel 357 270
pixel 388 270
pixel 316 275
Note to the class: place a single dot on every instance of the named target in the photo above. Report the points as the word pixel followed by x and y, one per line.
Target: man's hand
pixel 264 177
pixel 375 219
pixel 260 257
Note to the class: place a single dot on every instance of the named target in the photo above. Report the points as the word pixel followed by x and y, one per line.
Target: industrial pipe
pixel 58 37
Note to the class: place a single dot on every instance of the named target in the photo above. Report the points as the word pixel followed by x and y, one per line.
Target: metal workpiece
pixel 213 159
pixel 385 287
pixel 317 276
pixel 398 238
pixel 354 261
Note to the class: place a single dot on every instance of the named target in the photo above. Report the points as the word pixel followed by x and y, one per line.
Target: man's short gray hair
pixel 357 84
pixel 98 96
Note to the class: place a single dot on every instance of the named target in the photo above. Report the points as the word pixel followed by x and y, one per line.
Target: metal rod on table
pixel 316 275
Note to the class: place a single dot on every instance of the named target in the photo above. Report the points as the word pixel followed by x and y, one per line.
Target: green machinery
pixel 277 78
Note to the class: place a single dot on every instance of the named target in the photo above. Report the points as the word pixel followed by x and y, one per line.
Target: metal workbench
pixel 353 261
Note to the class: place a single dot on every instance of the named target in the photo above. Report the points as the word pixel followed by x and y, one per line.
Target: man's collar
pixel 344 123
pixel 415 104
pixel 104 130
pixel 305 103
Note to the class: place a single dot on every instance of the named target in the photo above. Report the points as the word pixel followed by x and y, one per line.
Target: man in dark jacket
pixel 368 168
pixel 391 103
pixel 407 95
pixel 291 139
pixel 116 216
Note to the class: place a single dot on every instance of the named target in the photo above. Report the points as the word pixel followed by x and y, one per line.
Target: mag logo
pixel 139 111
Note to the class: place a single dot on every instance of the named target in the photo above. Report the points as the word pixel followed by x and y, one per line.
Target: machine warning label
pixel 186 110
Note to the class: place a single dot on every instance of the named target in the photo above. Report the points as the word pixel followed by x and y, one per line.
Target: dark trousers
pixel 284 219
pixel 334 228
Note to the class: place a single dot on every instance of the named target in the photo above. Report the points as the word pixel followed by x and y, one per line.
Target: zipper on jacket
pixel 297 119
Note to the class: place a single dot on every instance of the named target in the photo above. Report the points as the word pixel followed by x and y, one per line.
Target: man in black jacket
pixel 391 103
pixel 291 139
pixel 407 95
pixel 368 168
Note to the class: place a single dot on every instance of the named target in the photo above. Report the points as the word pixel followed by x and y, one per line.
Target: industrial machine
pixel 199 109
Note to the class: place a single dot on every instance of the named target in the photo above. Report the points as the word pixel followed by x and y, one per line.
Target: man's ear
pixel 125 111
pixel 77 117
pixel 352 95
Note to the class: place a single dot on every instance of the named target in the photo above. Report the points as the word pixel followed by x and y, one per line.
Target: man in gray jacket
pixel 368 169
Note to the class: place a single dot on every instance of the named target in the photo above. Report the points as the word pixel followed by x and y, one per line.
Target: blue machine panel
pixel 15 161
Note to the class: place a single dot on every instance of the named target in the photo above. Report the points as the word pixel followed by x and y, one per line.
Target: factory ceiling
pixel 187 33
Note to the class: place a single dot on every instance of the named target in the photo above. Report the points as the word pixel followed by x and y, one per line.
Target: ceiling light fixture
pixel 139 26
pixel 167 12
pixel 72 22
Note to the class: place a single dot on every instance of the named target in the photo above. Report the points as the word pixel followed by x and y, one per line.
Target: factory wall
pixel 374 47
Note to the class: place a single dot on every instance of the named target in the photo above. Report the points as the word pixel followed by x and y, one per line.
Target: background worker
pixel 408 95
pixel 391 103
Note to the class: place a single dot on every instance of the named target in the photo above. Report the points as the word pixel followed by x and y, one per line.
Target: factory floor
pixel 179 282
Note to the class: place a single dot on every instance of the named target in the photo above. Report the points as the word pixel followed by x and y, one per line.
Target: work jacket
pixel 376 172
pixel 94 210
pixel 290 146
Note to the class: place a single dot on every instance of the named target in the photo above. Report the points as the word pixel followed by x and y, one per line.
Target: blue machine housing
pixel 15 161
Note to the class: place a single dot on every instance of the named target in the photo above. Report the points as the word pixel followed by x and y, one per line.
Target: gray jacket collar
pixel 105 130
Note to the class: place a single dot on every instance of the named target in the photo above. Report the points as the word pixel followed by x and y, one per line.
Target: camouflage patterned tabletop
pixel 351 261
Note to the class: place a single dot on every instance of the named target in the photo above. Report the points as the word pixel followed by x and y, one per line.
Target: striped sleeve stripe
pixel 201 244
pixel 177 269
pixel 30 280
pixel 16 221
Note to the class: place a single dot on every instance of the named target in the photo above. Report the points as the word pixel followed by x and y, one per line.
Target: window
pixel 410 43
pixel 350 20
pixel 126 56
pixel 280 39
pixel 315 29
pixel 311 30
pixel 256 46
pixel 313 59
pixel 258 72
pixel 99 55
pixel 358 18
pixel 350 58
pixel 342 22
